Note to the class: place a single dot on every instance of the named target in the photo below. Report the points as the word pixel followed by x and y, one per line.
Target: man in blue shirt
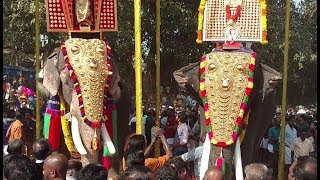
pixel 274 134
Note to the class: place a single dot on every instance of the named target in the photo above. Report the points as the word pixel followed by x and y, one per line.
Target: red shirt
pixel 169 133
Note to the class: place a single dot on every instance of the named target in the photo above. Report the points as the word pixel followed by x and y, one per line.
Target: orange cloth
pixel 15 130
pixel 152 163
pixel 155 163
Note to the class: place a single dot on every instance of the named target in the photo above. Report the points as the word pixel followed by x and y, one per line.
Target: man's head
pixel 137 142
pixel 19 166
pixel 256 171
pixel 15 146
pixel 137 173
pixel 304 168
pixel 213 173
pixel 304 134
pixel 192 142
pixel 181 166
pixel 134 157
pixel 41 149
pixel 55 167
pixel 74 166
pixel 277 121
pixel 290 120
pixel 11 113
pixel 167 172
pixel 92 171
pixel 182 117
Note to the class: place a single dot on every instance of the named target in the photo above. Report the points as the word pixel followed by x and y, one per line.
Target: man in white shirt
pixel 302 146
pixel 290 136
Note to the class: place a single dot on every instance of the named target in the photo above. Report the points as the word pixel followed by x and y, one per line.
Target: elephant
pixel 261 104
pixel 79 74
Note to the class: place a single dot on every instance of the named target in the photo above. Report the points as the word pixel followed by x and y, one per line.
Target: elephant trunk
pixel 86 134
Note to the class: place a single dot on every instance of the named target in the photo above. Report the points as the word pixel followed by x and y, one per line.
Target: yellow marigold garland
pixel 263 6
pixel 65 127
pixel 200 21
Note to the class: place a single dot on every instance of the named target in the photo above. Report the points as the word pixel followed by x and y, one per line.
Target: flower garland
pixel 77 85
pixel 243 105
pixel 263 6
pixel 200 21
pixel 65 126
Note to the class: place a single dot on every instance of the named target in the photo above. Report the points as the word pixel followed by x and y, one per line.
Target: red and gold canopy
pixel 81 15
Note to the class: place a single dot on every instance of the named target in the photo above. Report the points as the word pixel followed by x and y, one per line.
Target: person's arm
pixel 193 154
pixel 149 148
pixel 311 149
pixel 166 146
pixel 158 132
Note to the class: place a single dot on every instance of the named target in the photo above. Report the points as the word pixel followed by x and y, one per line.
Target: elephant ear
pixel 51 78
pixel 187 77
pixel 67 84
pixel 114 88
pixel 271 80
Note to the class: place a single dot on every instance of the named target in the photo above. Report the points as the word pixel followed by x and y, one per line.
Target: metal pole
pixel 37 24
pixel 284 93
pixel 137 64
pixel 157 148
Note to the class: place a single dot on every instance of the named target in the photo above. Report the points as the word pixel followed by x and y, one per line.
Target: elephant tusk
pixel 107 140
pixel 205 156
pixel 76 136
pixel 238 161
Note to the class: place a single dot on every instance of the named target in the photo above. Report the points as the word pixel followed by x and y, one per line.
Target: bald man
pixel 213 173
pixel 55 167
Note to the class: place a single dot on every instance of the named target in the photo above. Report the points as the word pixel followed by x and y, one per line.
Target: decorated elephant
pixel 229 79
pixel 89 88
pixel 81 78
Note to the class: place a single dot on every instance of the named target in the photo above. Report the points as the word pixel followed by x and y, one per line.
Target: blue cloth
pixel 274 132
pixel 5 128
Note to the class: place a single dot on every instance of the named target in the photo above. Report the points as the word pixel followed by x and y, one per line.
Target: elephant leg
pixel 227 153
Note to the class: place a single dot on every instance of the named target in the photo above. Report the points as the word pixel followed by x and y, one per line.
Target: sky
pixel 297 1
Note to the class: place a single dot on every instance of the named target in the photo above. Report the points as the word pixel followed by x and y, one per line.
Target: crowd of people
pixel 180 155
pixel 180 137
pixel 300 138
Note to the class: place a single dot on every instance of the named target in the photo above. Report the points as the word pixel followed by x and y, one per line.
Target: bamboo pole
pixel 37 26
pixel 157 148
pixel 284 92
pixel 137 64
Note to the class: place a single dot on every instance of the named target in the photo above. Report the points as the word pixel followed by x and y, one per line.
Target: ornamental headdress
pixel 240 20
pixel 81 15
pixel 226 77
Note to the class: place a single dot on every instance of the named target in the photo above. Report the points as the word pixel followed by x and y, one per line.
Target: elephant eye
pixel 240 67
pixel 212 67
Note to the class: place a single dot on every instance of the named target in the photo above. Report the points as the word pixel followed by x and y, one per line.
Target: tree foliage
pixel 178 46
